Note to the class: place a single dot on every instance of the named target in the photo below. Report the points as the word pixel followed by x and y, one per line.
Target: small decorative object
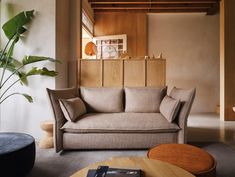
pixel 233 109
pixel 153 57
pixel 217 109
pixel 90 49
pixel 124 55
pixel 146 57
pixel 160 56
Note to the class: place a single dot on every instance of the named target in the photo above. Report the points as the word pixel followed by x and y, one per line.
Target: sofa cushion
pixel 120 122
pixel 106 100
pixel 169 108
pixel 144 99
pixel 72 108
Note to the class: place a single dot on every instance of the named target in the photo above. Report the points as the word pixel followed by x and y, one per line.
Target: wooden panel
pixel 134 73
pixel 222 98
pixel 141 43
pixel 227 59
pixel 132 24
pixel 112 73
pixel 156 73
pixel 91 73
pixel 104 24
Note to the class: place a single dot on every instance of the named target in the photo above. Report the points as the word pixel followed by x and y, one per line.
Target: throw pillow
pixel 72 108
pixel 169 108
pixel 144 99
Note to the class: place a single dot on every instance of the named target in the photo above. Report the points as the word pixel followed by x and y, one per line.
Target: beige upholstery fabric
pixel 102 131
pixel 186 97
pixel 72 108
pixel 169 108
pixel 116 140
pixel 144 99
pixel 106 100
pixel 120 122
pixel 54 96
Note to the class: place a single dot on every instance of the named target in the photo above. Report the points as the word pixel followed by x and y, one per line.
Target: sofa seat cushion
pixel 120 122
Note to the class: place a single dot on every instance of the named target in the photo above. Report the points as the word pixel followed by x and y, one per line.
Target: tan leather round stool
pixel 192 159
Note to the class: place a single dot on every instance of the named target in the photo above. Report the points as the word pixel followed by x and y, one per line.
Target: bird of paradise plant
pixel 14 29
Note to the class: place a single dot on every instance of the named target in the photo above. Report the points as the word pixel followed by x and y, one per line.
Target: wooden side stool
pixel 192 159
pixel 47 141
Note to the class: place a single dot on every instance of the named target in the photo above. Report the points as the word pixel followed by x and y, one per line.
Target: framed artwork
pixel 110 47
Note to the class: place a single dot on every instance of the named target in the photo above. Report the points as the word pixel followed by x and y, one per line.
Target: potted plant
pixel 14 29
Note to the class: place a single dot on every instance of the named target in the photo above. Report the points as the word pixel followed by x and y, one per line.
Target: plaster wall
pixel 190 44
pixel 16 113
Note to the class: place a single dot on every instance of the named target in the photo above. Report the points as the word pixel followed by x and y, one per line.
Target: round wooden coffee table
pixel 151 168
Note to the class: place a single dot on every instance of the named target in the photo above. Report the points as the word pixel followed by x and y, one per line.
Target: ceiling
pixel 156 6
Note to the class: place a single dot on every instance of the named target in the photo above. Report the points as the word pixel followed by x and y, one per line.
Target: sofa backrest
pixel 186 97
pixel 111 100
pixel 103 99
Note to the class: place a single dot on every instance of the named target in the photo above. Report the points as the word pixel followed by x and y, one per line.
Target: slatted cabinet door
pixel 156 72
pixel 134 73
pixel 91 73
pixel 112 73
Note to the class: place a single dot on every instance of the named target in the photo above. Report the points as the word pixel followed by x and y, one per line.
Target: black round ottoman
pixel 17 154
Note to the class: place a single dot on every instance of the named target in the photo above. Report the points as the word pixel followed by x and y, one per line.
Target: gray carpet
pixel 50 164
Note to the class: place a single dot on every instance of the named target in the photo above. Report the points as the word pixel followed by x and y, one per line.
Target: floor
pixel 207 127
pixel 201 128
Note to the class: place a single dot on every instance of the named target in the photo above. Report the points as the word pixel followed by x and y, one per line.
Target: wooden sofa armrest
pixel 54 96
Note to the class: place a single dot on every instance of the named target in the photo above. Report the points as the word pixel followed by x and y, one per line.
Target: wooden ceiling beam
pixel 156 6
pixel 151 5
pixel 152 2
pixel 150 8
pixel 153 10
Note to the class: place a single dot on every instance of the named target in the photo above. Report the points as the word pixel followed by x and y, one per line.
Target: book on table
pixel 105 171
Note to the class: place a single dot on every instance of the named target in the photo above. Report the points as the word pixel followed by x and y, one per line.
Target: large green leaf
pixel 44 71
pixel 33 59
pixel 35 71
pixel 28 97
pixel 16 24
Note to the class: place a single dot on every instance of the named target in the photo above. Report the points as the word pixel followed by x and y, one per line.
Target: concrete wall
pixel 190 43
pixel 16 113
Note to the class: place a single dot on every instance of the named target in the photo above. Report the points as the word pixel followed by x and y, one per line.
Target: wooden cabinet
pixel 119 73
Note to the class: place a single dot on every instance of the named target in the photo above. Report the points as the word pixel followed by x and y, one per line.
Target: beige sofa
pixel 120 118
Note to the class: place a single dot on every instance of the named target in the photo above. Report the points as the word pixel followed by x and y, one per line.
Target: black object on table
pixel 17 154
pixel 105 171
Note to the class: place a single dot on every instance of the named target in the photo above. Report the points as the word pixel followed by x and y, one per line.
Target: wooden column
pixel 227 60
